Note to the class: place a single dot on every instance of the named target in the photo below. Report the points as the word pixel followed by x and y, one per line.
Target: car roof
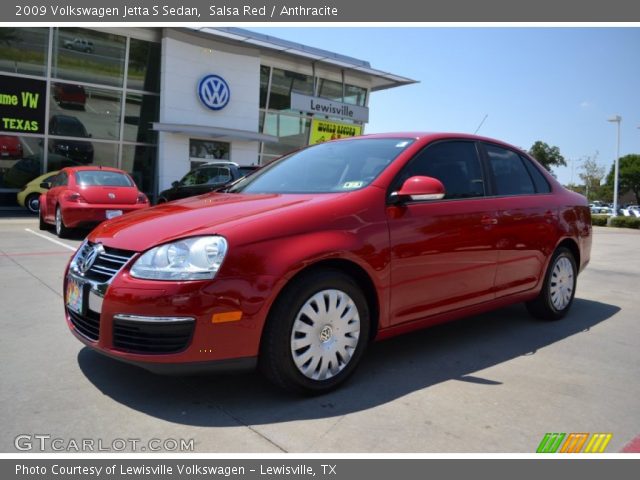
pixel 65 118
pixel 219 162
pixel 431 136
pixel 94 169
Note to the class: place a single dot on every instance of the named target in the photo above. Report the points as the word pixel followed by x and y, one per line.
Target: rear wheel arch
pixel 571 245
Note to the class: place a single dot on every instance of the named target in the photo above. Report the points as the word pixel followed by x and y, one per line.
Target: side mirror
pixel 175 184
pixel 45 185
pixel 419 189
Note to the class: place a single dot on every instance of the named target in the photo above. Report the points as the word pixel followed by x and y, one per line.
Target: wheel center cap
pixel 326 333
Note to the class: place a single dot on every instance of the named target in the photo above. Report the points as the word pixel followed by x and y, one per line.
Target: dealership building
pixel 158 101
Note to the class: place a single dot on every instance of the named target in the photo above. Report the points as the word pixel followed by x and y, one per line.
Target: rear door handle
pixel 486 220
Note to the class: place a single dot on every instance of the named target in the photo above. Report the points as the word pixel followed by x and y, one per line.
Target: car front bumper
pixel 119 321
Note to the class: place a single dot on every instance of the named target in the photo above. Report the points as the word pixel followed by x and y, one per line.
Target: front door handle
pixel 486 220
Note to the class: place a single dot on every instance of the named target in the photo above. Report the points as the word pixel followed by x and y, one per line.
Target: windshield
pixel 105 178
pixel 326 168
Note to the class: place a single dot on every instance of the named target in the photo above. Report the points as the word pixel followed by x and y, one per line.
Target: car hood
pixel 215 213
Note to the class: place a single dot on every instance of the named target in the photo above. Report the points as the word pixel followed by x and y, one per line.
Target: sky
pixel 557 85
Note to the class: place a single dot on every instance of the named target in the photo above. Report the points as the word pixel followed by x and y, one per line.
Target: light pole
pixel 616 119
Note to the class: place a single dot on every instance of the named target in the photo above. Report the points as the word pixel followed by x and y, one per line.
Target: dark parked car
pixel 298 267
pixel 68 126
pixel 204 179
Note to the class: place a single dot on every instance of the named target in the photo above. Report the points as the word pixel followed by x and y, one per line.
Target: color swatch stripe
pixel 574 442
pixel 550 443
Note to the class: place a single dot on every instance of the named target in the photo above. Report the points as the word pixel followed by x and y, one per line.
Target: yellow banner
pixel 323 131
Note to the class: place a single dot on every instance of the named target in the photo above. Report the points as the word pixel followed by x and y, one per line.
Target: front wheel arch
pixel 356 272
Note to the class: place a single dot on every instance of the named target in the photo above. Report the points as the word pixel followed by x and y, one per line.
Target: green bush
pixel 626 222
pixel 599 220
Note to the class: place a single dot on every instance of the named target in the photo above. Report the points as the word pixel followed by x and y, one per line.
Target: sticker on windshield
pixel 402 144
pixel 351 185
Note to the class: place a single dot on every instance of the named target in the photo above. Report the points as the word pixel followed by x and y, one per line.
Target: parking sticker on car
pixel 350 185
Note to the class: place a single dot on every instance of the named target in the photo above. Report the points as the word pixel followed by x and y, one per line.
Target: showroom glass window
pixel 510 175
pixel 355 95
pixel 283 83
pixel 293 127
pixel 84 55
pixel 103 96
pixel 455 163
pixel 330 90
pixel 24 50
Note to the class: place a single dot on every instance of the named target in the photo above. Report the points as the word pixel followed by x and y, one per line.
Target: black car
pixel 205 178
pixel 68 126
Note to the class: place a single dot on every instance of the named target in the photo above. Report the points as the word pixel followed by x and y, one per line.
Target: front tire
pixel 61 230
pixel 42 225
pixel 559 287
pixel 316 333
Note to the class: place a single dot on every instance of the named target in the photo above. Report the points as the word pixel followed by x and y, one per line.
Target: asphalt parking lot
pixel 492 383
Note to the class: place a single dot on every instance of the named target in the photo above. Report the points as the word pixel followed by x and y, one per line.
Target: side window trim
pixel 529 165
pixel 481 163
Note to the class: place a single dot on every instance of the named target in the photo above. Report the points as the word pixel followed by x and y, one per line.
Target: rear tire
pixel 316 333
pixel 32 202
pixel 559 287
pixel 61 230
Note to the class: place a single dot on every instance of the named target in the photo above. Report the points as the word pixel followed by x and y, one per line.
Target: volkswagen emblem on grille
pixel 87 261
pixel 214 92
pixel 111 195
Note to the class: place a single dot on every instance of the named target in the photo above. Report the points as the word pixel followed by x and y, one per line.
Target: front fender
pixel 284 258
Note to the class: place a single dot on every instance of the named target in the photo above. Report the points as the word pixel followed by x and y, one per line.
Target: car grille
pixel 86 325
pixel 150 338
pixel 107 265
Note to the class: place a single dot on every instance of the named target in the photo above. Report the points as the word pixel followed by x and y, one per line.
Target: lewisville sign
pixel 322 106
pixel 22 105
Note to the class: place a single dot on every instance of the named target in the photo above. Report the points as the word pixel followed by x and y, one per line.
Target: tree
pixel 547 156
pixel 592 174
pixel 628 175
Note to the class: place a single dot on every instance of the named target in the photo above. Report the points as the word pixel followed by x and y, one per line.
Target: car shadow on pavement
pixel 390 370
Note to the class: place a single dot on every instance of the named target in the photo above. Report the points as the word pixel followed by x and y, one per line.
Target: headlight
pixel 196 258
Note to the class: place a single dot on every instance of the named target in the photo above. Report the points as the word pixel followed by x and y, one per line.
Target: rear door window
pixel 509 172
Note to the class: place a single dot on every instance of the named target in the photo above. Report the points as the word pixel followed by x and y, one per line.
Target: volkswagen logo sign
pixel 111 195
pixel 214 92
pixel 85 263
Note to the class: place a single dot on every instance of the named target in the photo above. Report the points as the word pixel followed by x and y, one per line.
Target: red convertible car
pixel 86 196
pixel 297 268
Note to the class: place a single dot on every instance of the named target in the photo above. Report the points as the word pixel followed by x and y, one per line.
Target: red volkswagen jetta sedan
pixel 299 266
pixel 85 196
